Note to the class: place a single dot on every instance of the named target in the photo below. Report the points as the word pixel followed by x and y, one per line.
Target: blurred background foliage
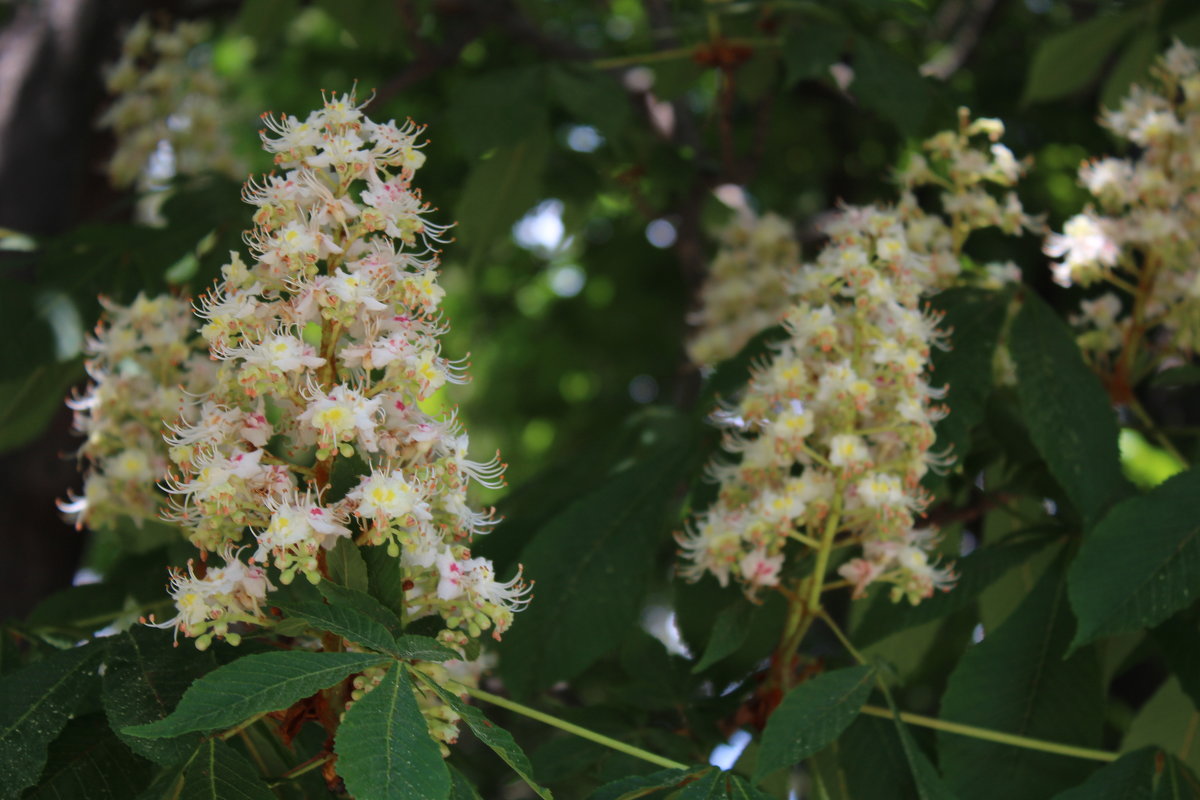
pixel 577 144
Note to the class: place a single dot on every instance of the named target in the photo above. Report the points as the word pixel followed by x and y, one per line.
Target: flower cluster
pixel 145 359
pixel 168 112
pixel 833 434
pixel 1140 235
pixel 313 435
pixel 745 292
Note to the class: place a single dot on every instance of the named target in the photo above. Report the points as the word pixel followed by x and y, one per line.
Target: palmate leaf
pixel 35 704
pixel 643 787
pixel 591 564
pixel 1017 681
pixel 1130 777
pixel 384 748
pixel 88 762
pixel 811 716
pixel 1142 562
pixel 716 784
pixel 252 685
pixel 214 771
pixel 495 737
pixel 929 783
pixel 144 678
pixel 1067 411
pixel 348 623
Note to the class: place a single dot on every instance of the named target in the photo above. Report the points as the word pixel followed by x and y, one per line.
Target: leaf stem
pixel 992 736
pixel 584 733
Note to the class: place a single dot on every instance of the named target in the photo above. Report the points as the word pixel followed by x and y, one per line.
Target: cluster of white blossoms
pixel 144 360
pixel 832 436
pixel 745 292
pixel 327 346
pixel 1140 235
pixel 168 113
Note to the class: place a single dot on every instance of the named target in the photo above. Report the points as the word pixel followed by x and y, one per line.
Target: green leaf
pixel 88 762
pixel 35 703
pixel 973 319
pixel 976 572
pixel 346 566
pixel 29 402
pixel 641 786
pixel 252 685
pixel 144 678
pixel 809 50
pixel 499 190
pixel 1177 638
pixel 591 564
pixel 460 786
pixel 498 109
pixel 811 716
pixel 1069 61
pixel 495 737
pixel 1168 718
pixel 344 621
pixel 716 784
pixel 1017 681
pixel 1177 782
pixel 363 603
pixel 1068 413
pixel 1142 562
pixel 930 785
pixel 385 580
pixel 1183 375
pixel 384 748
pixel 1130 777
pixel 730 629
pixel 874 741
pixel 214 771
pixel 891 86
pixel 591 96
pixel 1132 67
pixel 422 648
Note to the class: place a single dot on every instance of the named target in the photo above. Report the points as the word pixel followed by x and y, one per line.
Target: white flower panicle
pixel 168 113
pixel 144 361
pixel 744 293
pixel 1140 233
pixel 327 346
pixel 832 436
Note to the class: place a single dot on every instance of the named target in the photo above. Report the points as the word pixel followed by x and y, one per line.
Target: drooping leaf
pixel 460 786
pixel 929 783
pixel 730 629
pixel 422 648
pixel 1130 777
pixel 1067 62
pixel 499 190
pixel 88 762
pixel 973 319
pixel 344 621
pixel 495 737
pixel 874 741
pixel 812 715
pixel 363 603
pixel 1132 67
pixel 1168 720
pixel 1149 546
pixel 716 784
pixel 1176 782
pixel 809 50
pixel 28 402
pixel 346 566
pixel 144 678
pixel 255 684
pixel 1070 419
pixel 1177 638
pixel 591 565
pixel 35 703
pixel 385 581
pixel 976 572
pixel 214 771
pixel 1017 681
pixel 642 786
pixel 593 97
pixel 384 747
pixel 891 86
